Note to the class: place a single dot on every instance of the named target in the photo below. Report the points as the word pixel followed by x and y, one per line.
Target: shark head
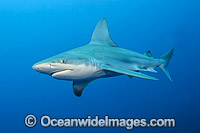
pixel 65 67
pixel 53 66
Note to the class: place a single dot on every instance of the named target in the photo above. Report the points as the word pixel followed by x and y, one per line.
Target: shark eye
pixel 62 61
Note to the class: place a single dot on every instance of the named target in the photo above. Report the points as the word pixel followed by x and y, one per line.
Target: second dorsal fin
pixel 148 53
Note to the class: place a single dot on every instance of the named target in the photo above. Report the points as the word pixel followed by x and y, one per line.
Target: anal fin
pixel 151 69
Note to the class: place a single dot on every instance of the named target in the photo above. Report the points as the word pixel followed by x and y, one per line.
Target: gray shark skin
pixel 101 58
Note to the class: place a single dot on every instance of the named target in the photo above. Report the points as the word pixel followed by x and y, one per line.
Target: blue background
pixel 36 29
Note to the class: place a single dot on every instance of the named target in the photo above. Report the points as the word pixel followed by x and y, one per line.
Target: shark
pixel 101 58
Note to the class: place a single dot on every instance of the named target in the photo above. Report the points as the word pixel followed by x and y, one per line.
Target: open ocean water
pixel 32 30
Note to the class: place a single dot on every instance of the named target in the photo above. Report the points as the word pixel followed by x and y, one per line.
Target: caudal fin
pixel 165 59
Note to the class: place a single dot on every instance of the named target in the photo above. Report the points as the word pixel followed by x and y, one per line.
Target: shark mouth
pixel 60 71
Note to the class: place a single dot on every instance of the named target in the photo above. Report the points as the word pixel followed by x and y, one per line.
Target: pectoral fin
pixel 78 86
pixel 130 73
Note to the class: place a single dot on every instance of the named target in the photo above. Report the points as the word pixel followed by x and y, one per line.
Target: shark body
pixel 101 58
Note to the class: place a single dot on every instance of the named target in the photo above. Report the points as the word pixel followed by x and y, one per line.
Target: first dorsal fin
pixel 101 35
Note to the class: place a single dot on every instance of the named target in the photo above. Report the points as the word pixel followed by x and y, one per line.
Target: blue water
pixel 36 29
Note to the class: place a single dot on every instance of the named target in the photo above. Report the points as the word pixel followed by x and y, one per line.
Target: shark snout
pixel 35 67
pixel 38 67
pixel 43 68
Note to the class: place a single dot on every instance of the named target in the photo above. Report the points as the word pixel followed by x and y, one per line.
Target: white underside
pixel 76 72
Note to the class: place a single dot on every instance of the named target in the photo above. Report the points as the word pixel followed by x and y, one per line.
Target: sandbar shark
pixel 101 58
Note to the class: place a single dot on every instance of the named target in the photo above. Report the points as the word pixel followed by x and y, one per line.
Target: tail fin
pixel 166 58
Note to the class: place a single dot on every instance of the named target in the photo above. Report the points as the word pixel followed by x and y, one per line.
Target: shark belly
pixel 78 72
